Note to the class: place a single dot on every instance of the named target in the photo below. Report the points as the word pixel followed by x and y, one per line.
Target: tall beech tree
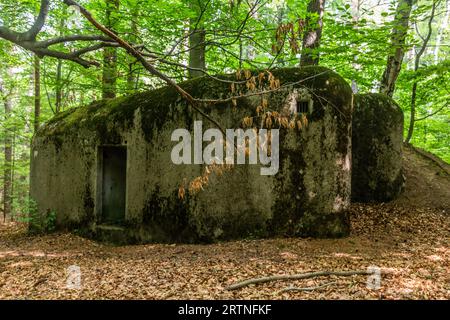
pixel 37 92
pixel 418 56
pixel 312 33
pixel 398 42
pixel 197 38
pixel 110 53
pixel 6 94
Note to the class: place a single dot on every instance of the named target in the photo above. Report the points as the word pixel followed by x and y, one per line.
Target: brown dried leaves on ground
pixel 411 246
pixel 408 239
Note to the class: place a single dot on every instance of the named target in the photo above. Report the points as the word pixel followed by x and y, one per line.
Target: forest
pixel 59 55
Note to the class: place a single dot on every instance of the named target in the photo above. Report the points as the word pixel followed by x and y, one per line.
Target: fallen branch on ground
pixel 307 288
pixel 297 277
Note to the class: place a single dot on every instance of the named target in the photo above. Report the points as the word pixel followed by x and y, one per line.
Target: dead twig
pixel 307 288
pixel 297 277
pixel 40 281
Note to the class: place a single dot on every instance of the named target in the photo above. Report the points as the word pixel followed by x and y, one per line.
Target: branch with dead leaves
pixel 147 65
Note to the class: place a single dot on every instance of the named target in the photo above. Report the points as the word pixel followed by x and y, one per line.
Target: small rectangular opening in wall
pixel 112 174
pixel 303 106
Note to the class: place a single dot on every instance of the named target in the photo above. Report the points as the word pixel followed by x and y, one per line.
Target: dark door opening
pixel 114 168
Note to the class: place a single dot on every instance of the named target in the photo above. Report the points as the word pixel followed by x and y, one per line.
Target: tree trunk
pixel 13 158
pixel 58 86
pixel 356 7
pixel 131 78
pixel 37 92
pixel 110 54
pixel 443 28
pixel 412 118
pixel 197 45
pixel 398 37
pixel 8 158
pixel 312 33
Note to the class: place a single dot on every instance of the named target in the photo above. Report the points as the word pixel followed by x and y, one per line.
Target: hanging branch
pixel 150 68
pixel 27 40
pixel 107 38
pixel 433 113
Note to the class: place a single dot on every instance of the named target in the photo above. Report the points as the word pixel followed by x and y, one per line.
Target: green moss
pixel 88 205
pixel 376 148
pixel 287 211
pixel 167 218
pixel 158 106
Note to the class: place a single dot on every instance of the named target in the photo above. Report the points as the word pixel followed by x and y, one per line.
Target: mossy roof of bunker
pixel 384 107
pixel 154 103
pixel 377 100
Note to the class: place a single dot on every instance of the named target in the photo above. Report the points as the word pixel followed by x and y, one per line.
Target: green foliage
pixel 27 212
pixel 37 223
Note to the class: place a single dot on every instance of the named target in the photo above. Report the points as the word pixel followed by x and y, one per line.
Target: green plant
pixel 50 221
pixel 38 223
pixel 25 211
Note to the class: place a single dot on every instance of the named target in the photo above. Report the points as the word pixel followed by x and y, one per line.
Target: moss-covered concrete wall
pixel 377 140
pixel 307 197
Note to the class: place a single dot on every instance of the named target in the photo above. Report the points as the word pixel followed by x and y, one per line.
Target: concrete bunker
pixel 377 139
pixel 77 153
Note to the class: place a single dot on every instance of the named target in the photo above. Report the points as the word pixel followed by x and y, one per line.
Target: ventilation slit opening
pixel 303 106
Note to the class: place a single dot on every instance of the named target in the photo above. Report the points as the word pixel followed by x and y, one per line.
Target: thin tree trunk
pixel 13 163
pixel 131 78
pixel 398 39
pixel 58 86
pixel 312 33
pixel 280 16
pixel 8 158
pixel 412 118
pixel 356 7
pixel 241 53
pixel 443 28
pixel 110 54
pixel 197 48
pixel 37 92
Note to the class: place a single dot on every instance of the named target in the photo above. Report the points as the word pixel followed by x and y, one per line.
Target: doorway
pixel 113 184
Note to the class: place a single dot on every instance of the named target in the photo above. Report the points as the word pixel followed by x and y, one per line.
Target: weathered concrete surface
pixel 308 197
pixel 377 139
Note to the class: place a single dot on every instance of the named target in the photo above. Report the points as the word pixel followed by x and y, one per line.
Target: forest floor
pixel 409 239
